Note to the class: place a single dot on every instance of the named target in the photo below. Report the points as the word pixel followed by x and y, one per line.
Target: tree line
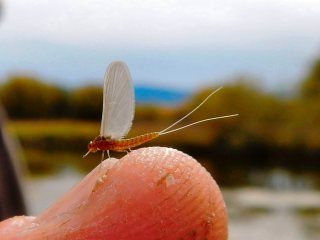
pixel 26 97
pixel 271 129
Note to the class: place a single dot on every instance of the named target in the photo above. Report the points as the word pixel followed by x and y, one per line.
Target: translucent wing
pixel 118 101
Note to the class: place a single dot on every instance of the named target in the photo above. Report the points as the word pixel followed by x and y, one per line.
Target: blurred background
pixel 53 55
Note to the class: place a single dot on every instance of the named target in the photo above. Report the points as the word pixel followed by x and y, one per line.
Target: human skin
pixel 151 193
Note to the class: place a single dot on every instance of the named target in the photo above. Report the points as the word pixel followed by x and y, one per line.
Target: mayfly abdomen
pixel 124 144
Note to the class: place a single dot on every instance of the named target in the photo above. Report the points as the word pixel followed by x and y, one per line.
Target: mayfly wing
pixel 118 101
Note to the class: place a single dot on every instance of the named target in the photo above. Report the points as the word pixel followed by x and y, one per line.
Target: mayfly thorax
pixel 118 112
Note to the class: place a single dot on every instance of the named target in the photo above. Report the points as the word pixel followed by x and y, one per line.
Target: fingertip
pixel 151 193
pixel 10 227
pixel 163 193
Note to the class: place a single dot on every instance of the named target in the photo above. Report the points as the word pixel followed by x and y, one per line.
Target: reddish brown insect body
pixel 120 145
pixel 118 111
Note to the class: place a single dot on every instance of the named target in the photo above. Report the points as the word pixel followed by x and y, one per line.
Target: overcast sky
pixel 179 44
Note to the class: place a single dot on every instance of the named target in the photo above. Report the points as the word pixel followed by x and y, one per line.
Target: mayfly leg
pixel 102 156
pixel 103 153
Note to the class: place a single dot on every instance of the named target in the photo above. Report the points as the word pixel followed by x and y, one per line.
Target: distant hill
pixel 150 95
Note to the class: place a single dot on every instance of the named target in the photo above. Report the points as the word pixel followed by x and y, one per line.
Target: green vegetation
pixel 271 131
pixel 27 97
pixel 49 145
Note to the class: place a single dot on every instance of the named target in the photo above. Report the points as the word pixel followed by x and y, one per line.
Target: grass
pixel 72 129
pixel 49 145
pixel 55 128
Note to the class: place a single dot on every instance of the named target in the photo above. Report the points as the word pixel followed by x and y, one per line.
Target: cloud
pixel 171 42
pixel 161 23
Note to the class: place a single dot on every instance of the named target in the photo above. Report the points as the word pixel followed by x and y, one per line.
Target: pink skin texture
pixel 151 193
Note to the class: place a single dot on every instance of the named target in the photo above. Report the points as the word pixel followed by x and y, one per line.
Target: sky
pixel 176 44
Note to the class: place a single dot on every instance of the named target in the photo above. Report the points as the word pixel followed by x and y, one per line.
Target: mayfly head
pixel 92 148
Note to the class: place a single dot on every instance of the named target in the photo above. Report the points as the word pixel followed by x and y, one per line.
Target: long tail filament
pixel 167 130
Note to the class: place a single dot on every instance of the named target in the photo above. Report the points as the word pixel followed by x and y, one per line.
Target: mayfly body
pixel 118 112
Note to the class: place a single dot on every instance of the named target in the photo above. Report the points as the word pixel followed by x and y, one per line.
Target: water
pixel 269 214
pixel 254 213
pixel 40 193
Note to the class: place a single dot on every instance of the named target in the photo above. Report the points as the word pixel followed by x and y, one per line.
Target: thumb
pixel 151 193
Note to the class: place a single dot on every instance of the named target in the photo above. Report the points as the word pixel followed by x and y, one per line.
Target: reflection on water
pixel 41 192
pixel 280 179
pixel 269 214
pixel 286 212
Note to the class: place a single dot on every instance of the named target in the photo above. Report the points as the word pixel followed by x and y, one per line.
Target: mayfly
pixel 118 111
